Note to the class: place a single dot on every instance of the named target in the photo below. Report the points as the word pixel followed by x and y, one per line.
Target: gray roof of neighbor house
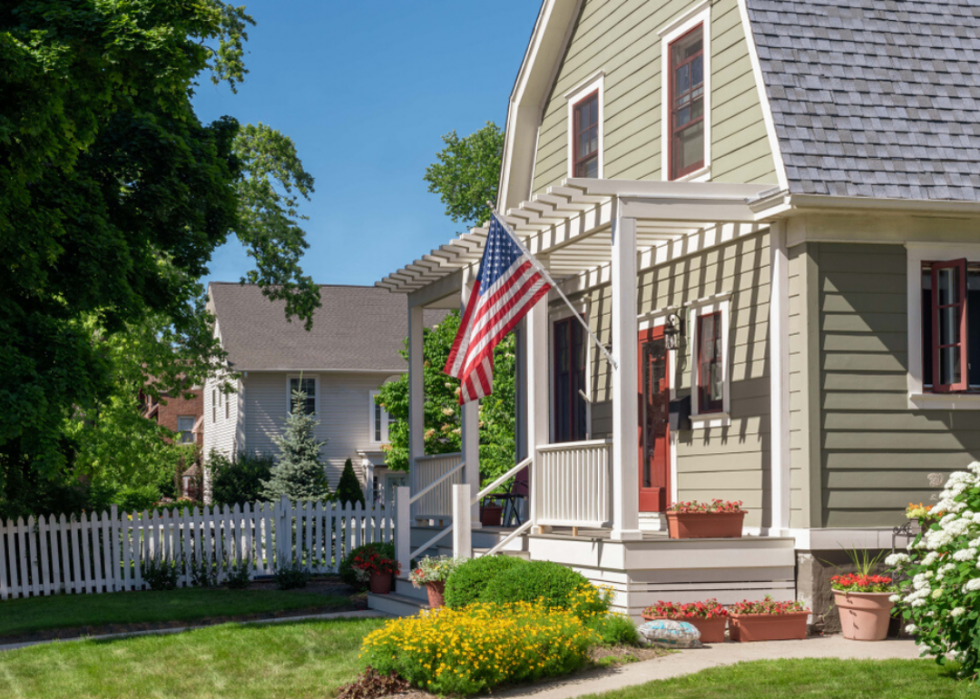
pixel 874 98
pixel 358 328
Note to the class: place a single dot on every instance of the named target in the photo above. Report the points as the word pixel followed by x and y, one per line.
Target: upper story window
pixel 569 366
pixel 951 326
pixel 308 387
pixel 380 421
pixel 185 429
pixel 586 136
pixel 711 381
pixel 687 103
pixel 585 127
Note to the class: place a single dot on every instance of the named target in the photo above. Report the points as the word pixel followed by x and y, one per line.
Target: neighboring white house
pixel 351 351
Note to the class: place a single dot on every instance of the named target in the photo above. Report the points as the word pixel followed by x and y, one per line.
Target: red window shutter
pixel 950 356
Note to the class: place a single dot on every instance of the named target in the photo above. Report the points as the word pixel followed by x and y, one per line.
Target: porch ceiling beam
pixel 684 209
pixel 668 190
pixel 437 291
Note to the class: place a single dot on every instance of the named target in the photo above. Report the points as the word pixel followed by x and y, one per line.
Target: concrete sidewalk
pixel 192 627
pixel 690 661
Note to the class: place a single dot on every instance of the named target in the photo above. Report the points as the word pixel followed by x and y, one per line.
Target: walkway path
pixel 182 629
pixel 691 661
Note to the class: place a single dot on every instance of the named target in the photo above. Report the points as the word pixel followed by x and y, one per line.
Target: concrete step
pixel 404 588
pixel 448 551
pixel 395 604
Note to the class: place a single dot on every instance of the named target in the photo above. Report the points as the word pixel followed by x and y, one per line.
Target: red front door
pixel 654 399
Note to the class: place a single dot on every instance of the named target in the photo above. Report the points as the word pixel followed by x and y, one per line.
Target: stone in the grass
pixel 667 632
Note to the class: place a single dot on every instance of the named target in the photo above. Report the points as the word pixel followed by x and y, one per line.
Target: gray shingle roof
pixel 874 98
pixel 357 328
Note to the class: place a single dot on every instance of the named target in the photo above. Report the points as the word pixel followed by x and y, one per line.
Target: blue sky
pixel 366 90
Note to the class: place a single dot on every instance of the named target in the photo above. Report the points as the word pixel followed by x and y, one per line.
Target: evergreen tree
pixel 349 488
pixel 298 474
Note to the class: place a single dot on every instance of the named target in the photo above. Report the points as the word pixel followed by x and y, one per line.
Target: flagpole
pixel 537 265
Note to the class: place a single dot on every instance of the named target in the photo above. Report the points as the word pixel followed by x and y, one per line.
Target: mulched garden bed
pixel 328 587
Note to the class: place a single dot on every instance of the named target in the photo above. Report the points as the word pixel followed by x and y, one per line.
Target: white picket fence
pixel 107 552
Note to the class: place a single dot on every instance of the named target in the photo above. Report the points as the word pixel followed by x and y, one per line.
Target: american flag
pixel 506 288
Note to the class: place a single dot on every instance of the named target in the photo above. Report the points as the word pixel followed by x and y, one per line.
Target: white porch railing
pixel 571 484
pixel 437 503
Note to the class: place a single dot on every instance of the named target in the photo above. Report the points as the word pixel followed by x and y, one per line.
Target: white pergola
pixel 586 232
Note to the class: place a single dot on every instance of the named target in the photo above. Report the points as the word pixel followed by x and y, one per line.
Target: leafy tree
pixel 349 488
pixel 468 173
pixel 114 197
pixel 298 473
pixel 442 411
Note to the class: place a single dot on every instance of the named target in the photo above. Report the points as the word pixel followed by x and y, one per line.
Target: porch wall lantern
pixel 672 331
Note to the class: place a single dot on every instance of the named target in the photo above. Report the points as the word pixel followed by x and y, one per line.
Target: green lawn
pixel 292 660
pixel 823 679
pixel 24 616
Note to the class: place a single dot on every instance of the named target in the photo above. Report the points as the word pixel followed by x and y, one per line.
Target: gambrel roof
pixel 874 98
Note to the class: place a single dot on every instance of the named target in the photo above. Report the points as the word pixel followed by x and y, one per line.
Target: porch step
pixel 395 604
pixel 448 551
pixel 404 588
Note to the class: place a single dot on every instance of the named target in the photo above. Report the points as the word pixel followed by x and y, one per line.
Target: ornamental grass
pixel 470 650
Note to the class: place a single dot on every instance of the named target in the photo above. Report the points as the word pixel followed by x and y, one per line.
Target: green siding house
pixel 767 210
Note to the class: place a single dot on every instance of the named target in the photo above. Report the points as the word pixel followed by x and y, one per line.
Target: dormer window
pixel 687 106
pixel 585 132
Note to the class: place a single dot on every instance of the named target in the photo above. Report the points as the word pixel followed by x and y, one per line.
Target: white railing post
pixel 403 529
pixel 462 522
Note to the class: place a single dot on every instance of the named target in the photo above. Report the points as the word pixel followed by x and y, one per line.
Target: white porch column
pixel 538 426
pixel 625 485
pixel 416 390
pixel 462 525
pixel 470 432
pixel 520 392
pixel 779 379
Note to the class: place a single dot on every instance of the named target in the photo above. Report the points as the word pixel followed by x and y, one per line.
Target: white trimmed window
pixel 585 115
pixel 308 385
pixel 709 328
pixel 379 420
pixel 944 326
pixel 185 429
pixel 686 96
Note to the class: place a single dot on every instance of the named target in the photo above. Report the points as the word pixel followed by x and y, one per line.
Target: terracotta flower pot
pixel 864 616
pixel 746 628
pixel 711 630
pixel 380 583
pixel 491 515
pixel 705 525
pixel 436 592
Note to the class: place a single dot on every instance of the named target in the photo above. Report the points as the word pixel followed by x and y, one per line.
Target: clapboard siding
pixel 730 462
pixel 343 413
pixel 221 432
pixel 877 454
pixel 622 39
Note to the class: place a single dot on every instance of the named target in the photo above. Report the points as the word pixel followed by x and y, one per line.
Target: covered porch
pixel 592 492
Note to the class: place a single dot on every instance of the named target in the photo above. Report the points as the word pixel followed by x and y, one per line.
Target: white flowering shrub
pixel 941 596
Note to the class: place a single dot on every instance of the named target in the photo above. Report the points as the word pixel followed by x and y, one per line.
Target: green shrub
pixel 501 644
pixel 349 488
pixel 346 568
pixel 238 575
pixel 468 582
pixel 614 629
pixel 160 575
pixel 292 577
pixel 204 572
pixel 552 584
pixel 240 480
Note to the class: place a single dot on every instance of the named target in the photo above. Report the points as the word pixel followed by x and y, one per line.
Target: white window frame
pixel 720 303
pixel 594 83
pixel 316 388
pixel 372 425
pixel 673 30
pixel 190 431
pixel 918 253
pixel 583 308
